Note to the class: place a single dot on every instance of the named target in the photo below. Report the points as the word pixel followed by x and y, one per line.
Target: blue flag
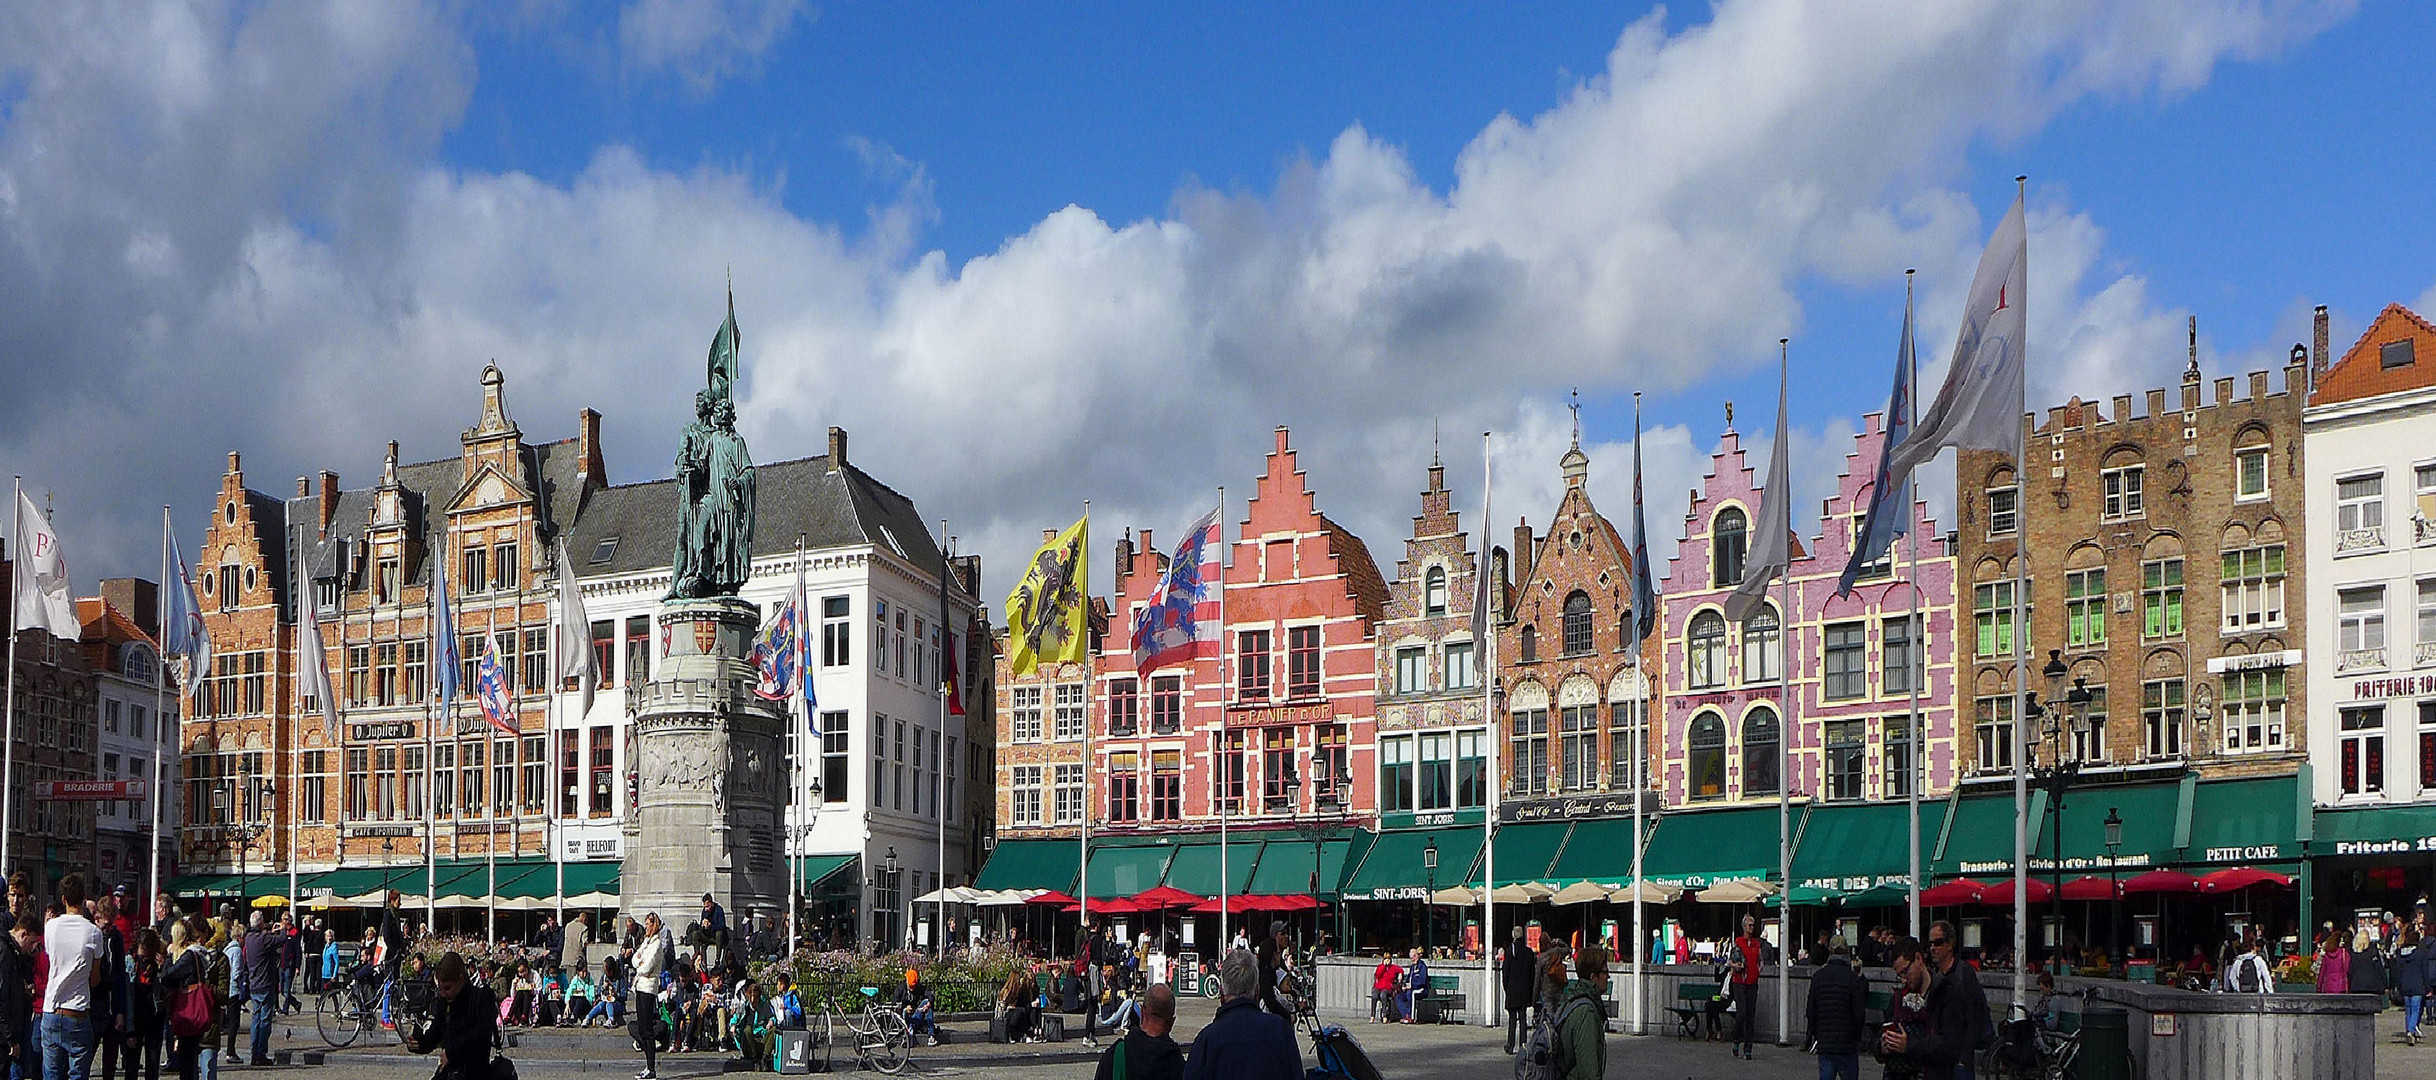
pixel 1644 593
pixel 446 660
pixel 1890 504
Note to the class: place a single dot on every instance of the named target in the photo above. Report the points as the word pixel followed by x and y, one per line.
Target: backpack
pixel 2245 974
pixel 1537 1058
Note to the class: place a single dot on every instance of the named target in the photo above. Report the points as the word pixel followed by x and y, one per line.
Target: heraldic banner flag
pixel 1180 624
pixel 1047 612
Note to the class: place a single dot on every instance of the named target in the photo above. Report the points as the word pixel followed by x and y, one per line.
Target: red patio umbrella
pixel 1165 896
pixel 1118 905
pixel 2092 888
pixel 1290 902
pixel 1052 898
pixel 1235 905
pixel 1957 891
pixel 2241 877
pixel 2162 881
pixel 2001 893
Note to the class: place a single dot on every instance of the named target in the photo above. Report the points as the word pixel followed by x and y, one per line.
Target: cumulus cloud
pixel 243 242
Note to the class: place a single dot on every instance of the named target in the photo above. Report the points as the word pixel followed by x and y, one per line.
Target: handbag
pixel 192 1015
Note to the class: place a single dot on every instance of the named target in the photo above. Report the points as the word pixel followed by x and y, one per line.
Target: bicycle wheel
pixel 822 1027
pixel 891 1042
pixel 337 1017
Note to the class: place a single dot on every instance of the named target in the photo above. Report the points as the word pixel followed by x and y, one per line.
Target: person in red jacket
pixel 1384 979
pixel 1742 983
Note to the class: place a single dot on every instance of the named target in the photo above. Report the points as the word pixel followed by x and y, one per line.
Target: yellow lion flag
pixel 1048 611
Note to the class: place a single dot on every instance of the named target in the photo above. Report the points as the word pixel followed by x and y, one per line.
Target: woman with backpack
pixel 2368 968
pixel 192 999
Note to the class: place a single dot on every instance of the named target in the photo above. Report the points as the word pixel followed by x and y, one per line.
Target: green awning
pixel 1195 867
pixel 812 870
pixel 1977 838
pixel 1124 871
pixel 345 881
pixel 2244 822
pixel 2373 830
pixel 1848 847
pixel 1286 867
pixel 1528 852
pixel 2148 812
pixel 1596 850
pixel 1698 848
pixel 463 879
pixel 584 877
pixel 1814 896
pixel 1393 871
pixel 1032 864
pixel 203 885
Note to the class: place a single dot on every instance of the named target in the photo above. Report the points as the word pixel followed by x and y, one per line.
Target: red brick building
pixel 54 736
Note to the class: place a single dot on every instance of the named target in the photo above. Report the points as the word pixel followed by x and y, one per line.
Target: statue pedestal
pixel 706 755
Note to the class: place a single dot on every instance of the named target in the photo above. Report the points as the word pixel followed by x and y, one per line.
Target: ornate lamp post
pixel 889 870
pixel 1429 864
pixel 2114 845
pixel 2066 714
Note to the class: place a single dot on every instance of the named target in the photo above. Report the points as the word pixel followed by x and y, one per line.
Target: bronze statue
pixel 715 491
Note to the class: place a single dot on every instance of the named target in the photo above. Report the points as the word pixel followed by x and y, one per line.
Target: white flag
pixel 313 664
pixel 574 646
pixel 1772 530
pixel 1980 405
pixel 38 596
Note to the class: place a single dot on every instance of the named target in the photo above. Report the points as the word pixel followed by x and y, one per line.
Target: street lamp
pixel 2065 713
pixel 2114 844
pixel 1429 912
pixel 889 872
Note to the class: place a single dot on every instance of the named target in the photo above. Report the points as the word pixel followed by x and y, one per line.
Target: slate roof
pixel 549 470
pixel 805 497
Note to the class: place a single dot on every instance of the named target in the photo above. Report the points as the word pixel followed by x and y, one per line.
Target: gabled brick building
pixel 1433 740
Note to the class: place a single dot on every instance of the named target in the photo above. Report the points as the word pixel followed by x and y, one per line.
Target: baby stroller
pixel 1340 1057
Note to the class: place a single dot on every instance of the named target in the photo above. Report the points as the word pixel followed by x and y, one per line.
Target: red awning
pixel 2162 881
pixel 2242 877
pixel 1165 896
pixel 1957 891
pixel 2001 893
pixel 2092 888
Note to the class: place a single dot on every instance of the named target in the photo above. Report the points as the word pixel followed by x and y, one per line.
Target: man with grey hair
pixel 1242 1042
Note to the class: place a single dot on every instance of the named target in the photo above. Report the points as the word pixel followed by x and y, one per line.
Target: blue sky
pixel 297 233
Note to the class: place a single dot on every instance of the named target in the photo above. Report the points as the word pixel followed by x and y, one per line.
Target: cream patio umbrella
pixel 1651 893
pixel 1456 896
pixel 1736 891
pixel 1524 892
pixel 1580 892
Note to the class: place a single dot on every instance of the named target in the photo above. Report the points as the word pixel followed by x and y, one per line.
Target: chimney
pixel 1124 555
pixel 588 469
pixel 329 500
pixel 2317 353
pixel 304 487
pixel 1523 550
pixel 837 448
pixel 137 599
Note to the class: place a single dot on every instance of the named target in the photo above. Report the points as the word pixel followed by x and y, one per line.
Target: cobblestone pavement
pixel 1402 1052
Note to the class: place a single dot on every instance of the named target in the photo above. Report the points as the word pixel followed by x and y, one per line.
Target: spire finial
pixel 1729 414
pixel 1433 443
pixel 1576 405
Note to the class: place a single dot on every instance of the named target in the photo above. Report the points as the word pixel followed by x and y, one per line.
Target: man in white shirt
pixel 74 946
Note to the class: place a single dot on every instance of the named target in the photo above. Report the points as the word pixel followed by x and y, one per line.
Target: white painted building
pixel 128 707
pixel 2369 447
pixel 893 776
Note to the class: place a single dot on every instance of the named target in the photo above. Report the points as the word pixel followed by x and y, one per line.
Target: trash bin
pixel 2105 1044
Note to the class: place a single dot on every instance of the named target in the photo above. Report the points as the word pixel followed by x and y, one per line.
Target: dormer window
pixel 1729 542
pixel 2395 354
pixel 603 550
pixel 1433 591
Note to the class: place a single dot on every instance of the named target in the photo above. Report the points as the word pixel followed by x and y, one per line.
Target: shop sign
pixel 1399 892
pixel 2253 853
pixel 2393 687
pixel 1271 715
pixel 395 729
pixel 2218 665
pixel 1431 819
pixel 379 832
pixel 2098 865
pixel 1568 808
pixel 88 790
pixel 2385 847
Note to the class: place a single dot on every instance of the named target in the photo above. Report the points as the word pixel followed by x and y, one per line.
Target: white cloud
pixel 242 244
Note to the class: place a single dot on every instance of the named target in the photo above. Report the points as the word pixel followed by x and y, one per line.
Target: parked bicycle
pixel 2028 1050
pixel 349 1009
pixel 882 1037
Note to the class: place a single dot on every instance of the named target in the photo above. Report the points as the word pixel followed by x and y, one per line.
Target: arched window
pixel 1433 591
pixel 1577 623
pixel 1530 643
pixel 1763 647
pixel 1707 744
pixel 1729 541
pixel 1759 737
pixel 1705 648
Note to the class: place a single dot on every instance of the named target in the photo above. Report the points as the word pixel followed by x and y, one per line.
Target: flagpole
pixel 434 711
pixel 1640 732
pixel 553 820
pixel 1082 887
pixel 160 689
pixel 1784 741
pixel 2021 686
pixel 1225 757
pixel 1486 617
pixel 304 610
pixel 8 726
pixel 1917 660
pixel 946 642
pixel 795 760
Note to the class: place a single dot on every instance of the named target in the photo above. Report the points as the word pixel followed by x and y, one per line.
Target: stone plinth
pixel 707 772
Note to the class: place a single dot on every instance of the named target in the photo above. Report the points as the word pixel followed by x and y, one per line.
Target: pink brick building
pixel 1853 734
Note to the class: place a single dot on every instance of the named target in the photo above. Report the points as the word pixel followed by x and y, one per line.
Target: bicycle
pixel 883 1040
pixel 347 1010
pixel 2028 1050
